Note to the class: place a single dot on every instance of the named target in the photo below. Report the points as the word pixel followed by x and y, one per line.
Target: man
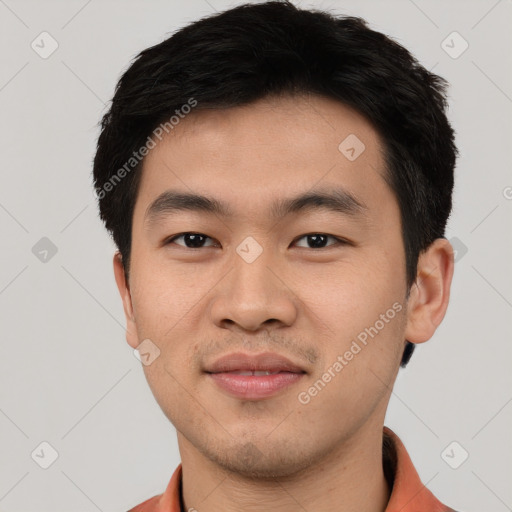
pixel 278 182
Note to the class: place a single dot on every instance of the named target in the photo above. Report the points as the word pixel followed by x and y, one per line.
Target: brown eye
pixel 190 240
pixel 319 241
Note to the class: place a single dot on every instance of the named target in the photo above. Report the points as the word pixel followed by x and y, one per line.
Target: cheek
pixel 167 306
pixel 161 299
pixel 350 296
pixel 171 392
pixel 361 311
pixel 361 349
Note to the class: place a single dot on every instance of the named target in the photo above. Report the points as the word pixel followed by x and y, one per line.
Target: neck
pixel 349 478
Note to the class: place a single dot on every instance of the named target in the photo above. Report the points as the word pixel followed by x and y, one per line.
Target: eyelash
pixel 339 241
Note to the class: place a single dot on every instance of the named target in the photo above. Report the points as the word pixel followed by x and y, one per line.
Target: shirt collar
pixel 408 494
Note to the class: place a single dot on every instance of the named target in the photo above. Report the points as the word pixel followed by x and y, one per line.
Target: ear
pixel 430 293
pixel 124 290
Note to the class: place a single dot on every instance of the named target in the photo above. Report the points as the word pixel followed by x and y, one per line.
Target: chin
pixel 247 460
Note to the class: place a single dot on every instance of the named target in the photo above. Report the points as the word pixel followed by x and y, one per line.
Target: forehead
pixel 275 147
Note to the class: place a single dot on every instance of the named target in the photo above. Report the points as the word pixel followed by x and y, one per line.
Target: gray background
pixel 67 375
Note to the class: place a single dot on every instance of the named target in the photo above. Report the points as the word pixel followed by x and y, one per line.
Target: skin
pixel 306 303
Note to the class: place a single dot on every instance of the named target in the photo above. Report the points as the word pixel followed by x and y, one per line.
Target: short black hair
pixel 275 48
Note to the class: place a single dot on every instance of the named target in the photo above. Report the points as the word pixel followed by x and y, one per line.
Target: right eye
pixel 190 240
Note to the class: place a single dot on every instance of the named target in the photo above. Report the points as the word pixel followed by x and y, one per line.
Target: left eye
pixel 318 240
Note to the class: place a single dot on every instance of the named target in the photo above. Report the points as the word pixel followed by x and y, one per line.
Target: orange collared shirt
pixel 408 493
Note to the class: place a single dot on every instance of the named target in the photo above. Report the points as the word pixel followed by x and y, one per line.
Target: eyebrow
pixel 337 200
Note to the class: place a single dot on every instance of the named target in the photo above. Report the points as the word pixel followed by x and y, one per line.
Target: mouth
pixel 257 373
pixel 254 377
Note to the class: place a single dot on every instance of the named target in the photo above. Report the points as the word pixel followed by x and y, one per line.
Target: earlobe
pixel 124 291
pixel 430 293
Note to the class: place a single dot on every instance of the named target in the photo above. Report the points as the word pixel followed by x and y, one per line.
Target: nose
pixel 254 295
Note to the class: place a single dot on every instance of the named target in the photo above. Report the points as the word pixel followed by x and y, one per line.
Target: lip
pixel 238 361
pixel 281 373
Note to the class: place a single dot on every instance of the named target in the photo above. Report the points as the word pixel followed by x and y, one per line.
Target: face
pixel 312 291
